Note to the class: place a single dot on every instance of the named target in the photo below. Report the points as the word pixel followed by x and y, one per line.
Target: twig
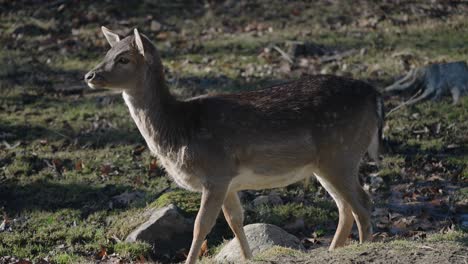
pixel 163 191
pixel 56 3
pixel 8 146
pixel 283 54
pixel 60 134
pixel 338 56
pixel 405 103
pixel 427 247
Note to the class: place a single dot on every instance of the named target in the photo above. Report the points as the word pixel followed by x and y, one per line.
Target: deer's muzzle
pixel 94 79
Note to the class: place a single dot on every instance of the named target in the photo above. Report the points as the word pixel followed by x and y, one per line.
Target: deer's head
pixel 126 64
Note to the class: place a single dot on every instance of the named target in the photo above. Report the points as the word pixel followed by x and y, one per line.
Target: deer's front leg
pixel 211 202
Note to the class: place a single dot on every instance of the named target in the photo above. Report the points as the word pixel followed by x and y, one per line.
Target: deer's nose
pixel 89 76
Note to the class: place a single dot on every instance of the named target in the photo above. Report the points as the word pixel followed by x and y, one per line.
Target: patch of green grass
pixel 461 162
pixel 406 244
pixel 123 223
pixel 461 194
pixel 66 258
pixel 281 214
pixel 132 250
pixel 435 144
pixel 458 236
pixel 277 251
pixel 213 251
pixel 43 232
pixel 391 166
pixel 188 202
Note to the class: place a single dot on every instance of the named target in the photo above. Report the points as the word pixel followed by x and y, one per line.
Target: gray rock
pixel 261 237
pixel 155 26
pixel 297 48
pixel 297 224
pixel 126 198
pixel 166 229
pixel 275 199
pixel 271 199
pixel 261 200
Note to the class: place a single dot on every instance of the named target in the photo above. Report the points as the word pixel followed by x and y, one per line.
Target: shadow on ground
pixel 47 196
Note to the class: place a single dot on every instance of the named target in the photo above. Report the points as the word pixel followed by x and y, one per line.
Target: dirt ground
pixel 417 253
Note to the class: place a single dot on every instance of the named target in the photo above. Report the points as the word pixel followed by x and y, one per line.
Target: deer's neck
pixel 158 115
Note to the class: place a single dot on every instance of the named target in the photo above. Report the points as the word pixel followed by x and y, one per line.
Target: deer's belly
pixel 248 179
pixel 180 176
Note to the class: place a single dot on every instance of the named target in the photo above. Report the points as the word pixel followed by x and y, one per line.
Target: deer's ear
pixel 139 42
pixel 111 37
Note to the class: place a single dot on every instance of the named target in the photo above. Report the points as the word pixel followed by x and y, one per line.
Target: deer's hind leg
pixel 352 201
pixel 234 215
pixel 346 220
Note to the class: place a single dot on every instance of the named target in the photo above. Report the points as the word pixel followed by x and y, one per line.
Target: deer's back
pixel 285 128
pixel 313 102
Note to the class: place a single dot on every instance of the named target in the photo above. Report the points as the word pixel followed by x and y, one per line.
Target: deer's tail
pixel 376 145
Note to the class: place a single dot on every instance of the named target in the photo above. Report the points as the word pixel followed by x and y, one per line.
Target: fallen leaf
pixel 141 259
pixel 105 169
pixel 102 253
pixel 79 165
pixel 204 249
pixel 57 164
pixel 162 36
pixel 182 253
pixel 138 181
pixel 309 241
pixel 153 165
pixel 23 261
pixel 138 150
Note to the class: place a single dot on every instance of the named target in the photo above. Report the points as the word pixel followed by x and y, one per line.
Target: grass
pixel 130 250
pixel 189 202
pixel 64 258
pixel 277 251
pixel 76 152
pixel 312 215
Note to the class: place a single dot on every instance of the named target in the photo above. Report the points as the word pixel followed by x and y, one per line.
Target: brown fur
pixel 220 144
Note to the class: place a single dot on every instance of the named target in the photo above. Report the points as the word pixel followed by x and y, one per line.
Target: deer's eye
pixel 123 60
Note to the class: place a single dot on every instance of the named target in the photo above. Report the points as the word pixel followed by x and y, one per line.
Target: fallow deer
pixel 221 144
